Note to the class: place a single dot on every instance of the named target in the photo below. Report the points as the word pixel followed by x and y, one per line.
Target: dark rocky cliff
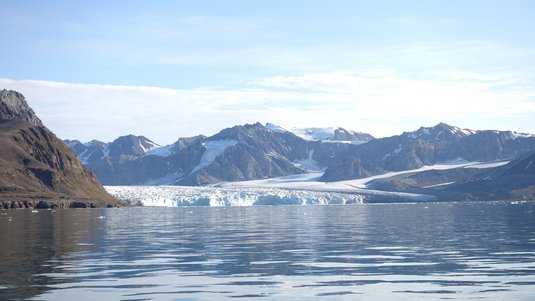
pixel 37 169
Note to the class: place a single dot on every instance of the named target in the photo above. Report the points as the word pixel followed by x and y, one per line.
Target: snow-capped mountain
pixel 94 151
pixel 439 132
pixel 255 151
pixel 329 134
pixel 246 152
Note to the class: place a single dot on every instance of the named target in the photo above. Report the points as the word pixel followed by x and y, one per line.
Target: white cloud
pixel 383 104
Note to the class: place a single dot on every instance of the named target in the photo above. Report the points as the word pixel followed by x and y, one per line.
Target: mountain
pixel 238 153
pixel 245 152
pixel 38 169
pixel 95 150
pixel 427 146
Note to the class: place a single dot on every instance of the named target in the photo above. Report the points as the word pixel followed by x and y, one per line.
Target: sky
pixel 170 69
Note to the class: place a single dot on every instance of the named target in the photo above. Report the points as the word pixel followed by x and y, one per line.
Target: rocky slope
pixel 514 181
pixel 37 169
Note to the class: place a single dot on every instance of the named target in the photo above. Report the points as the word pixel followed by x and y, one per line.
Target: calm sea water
pixel 482 251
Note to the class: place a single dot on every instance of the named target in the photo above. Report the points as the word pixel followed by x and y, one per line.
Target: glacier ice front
pixel 175 196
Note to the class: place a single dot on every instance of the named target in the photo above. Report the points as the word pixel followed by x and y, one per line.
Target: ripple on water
pixel 387 252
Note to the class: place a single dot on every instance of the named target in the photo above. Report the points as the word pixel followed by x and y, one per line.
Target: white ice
pixel 173 196
pixel 310 181
pixel 213 149
pixel 151 146
pixel 161 151
pixel 309 164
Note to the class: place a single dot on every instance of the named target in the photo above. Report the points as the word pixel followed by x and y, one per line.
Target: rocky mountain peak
pixel 441 131
pixel 275 128
pixel 182 143
pixel 341 134
pixel 95 143
pixel 131 145
pixel 240 132
pixel 13 105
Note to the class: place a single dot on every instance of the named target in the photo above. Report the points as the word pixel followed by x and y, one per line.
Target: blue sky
pixel 165 69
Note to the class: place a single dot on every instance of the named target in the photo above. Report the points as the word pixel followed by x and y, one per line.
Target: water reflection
pixel 379 252
pixel 33 244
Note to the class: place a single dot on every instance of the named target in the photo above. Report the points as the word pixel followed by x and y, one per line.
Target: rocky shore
pixel 52 204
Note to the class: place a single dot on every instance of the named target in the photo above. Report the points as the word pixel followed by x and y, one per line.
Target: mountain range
pixel 37 169
pixel 245 152
pixel 257 151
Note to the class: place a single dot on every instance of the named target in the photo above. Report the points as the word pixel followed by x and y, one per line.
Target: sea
pixel 403 251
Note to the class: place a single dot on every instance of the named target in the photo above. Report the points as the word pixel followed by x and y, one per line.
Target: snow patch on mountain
pixel 212 150
pixel 309 164
pixel 314 134
pixel 439 185
pixel 147 145
pixel 327 135
pixel 515 135
pixel 487 165
pixel 83 157
pixel 465 132
pixel 275 128
pixel 395 152
pixel 161 151
pixel 105 152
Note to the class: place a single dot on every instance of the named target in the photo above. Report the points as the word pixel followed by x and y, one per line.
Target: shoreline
pixel 43 203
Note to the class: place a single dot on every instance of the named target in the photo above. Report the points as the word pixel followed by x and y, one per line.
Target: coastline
pixel 55 203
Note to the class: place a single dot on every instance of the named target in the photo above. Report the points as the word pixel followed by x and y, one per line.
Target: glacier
pixel 300 189
pixel 176 196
